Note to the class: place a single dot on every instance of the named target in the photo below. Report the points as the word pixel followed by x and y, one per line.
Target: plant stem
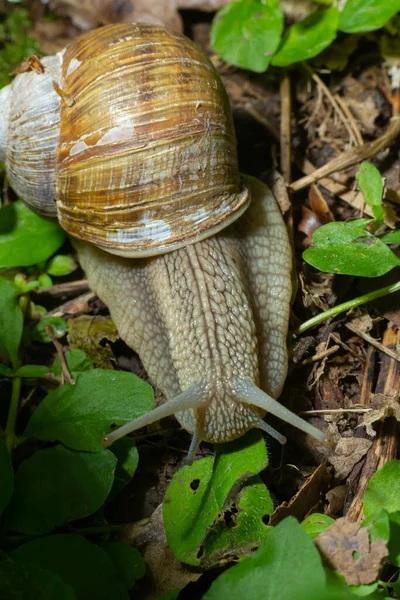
pixel 340 308
pixel 13 412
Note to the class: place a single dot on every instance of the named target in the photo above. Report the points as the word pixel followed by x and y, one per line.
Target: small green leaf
pixel 80 415
pixel 44 281
pixel 6 371
pixel 127 560
pixel 366 15
pixel 77 362
pixel 25 238
pixel 82 565
pixel 58 485
pixel 378 525
pixel 19 581
pixel 316 523
pixel 371 185
pixel 11 321
pixel 128 459
pixel 383 489
pixel 246 33
pixel 32 371
pixel 198 495
pixel 61 265
pixel 58 326
pixel 6 477
pixel 348 249
pixel 285 566
pixel 307 38
pixel 393 237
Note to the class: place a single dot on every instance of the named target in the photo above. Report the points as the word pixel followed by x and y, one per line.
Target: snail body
pixel 196 284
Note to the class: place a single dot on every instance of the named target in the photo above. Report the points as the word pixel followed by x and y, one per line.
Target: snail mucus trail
pixel 136 157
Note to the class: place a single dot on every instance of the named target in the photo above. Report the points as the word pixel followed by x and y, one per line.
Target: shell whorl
pixel 5 94
pixel 31 138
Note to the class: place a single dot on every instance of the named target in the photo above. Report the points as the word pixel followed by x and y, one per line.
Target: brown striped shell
pixel 146 158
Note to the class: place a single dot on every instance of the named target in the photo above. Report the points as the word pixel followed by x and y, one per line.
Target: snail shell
pixel 139 151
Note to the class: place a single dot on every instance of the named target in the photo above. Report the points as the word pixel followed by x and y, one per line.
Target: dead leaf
pixel 89 333
pixel 279 190
pixel 335 498
pixel 383 407
pixel 348 452
pixel 365 111
pixel 167 572
pixel 306 499
pixel 346 547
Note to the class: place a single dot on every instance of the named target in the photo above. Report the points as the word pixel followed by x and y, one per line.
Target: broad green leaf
pixel 370 183
pixel 307 38
pixel 80 564
pixel 285 566
pixel 58 327
pixel 77 362
pixel 128 458
pixel 6 371
pixel 243 528
pixel 393 237
pixel 61 265
pixel 348 249
pixel 394 538
pixel 383 489
pixel 366 15
pixel 20 581
pixel 25 238
pixel 127 560
pixel 11 321
pixel 58 485
pixel 80 415
pixel 199 494
pixel 378 525
pixel 6 477
pixel 246 33
pixel 32 371
pixel 316 523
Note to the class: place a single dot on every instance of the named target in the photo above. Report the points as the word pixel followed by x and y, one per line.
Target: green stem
pixel 13 412
pixel 340 308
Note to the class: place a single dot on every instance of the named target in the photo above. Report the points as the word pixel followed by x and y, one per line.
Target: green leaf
pixel 316 523
pixel 307 38
pixel 199 494
pixel 6 477
pixel 61 265
pixel 44 281
pixel 19 581
pixel 80 415
pixel 32 371
pixel 348 249
pixel 58 326
pixel 243 527
pixel 285 566
pixel 247 33
pixel 25 238
pixel 383 489
pixel 370 183
pixel 6 371
pixel 77 362
pixel 378 525
pixel 393 237
pixel 127 560
pixel 11 321
pixel 58 485
pixel 366 15
pixel 82 565
pixel 128 459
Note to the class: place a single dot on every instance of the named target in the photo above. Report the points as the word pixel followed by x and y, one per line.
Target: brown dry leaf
pixel 306 499
pixel 87 14
pixel 89 333
pixel 167 572
pixel 346 547
pixel 335 498
pixel 279 190
pixel 348 452
pixel 365 111
pixel 206 5
pixel 383 407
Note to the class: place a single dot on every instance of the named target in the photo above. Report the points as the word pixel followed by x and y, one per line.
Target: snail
pixel 127 137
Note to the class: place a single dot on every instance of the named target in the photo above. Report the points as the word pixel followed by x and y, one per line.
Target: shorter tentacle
pixel 271 431
pixel 194 446
pixel 246 391
pixel 191 398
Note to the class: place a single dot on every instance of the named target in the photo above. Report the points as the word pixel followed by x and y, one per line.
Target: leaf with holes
pixel 200 496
